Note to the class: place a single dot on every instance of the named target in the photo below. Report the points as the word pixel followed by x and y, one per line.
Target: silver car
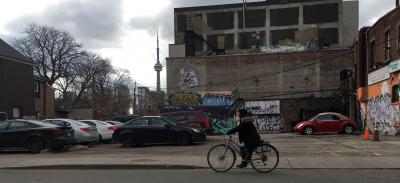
pixel 84 134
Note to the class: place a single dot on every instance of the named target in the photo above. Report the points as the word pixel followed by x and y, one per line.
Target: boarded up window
pixel 228 39
pixel 181 21
pixel 328 36
pixel 249 39
pixel 254 18
pixel 284 17
pixel 320 13
pixel 220 20
pixel 278 36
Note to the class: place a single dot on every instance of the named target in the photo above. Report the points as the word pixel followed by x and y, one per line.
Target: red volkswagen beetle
pixel 327 122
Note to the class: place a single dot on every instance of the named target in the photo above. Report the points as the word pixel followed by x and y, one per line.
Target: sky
pixel 125 30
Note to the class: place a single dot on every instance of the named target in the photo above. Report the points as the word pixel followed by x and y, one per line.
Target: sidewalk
pixel 201 162
pixel 297 152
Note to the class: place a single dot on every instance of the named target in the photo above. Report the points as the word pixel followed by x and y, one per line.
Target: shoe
pixel 242 165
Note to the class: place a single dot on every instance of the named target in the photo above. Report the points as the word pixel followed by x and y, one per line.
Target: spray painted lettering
pixel 269 123
pixel 263 107
pixel 181 99
pixel 218 100
pixel 383 115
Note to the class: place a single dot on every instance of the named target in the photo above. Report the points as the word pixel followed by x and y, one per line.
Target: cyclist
pixel 248 135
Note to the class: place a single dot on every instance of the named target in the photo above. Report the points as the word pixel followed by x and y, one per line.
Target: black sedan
pixel 156 130
pixel 34 135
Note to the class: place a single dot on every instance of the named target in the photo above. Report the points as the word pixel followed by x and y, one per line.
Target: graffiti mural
pixel 219 107
pixel 263 107
pixel 383 115
pixel 182 99
pixel 218 100
pixel 188 79
pixel 269 123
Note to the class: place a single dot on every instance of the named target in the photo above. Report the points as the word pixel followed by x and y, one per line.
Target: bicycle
pixel 222 157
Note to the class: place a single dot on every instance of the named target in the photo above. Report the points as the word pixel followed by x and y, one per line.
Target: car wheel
pixel 100 139
pixel 126 140
pixel 35 145
pixel 308 130
pixel 348 129
pixel 184 139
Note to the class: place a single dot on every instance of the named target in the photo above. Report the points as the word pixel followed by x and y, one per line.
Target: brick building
pixel 44 99
pixel 378 67
pixel 16 90
pixel 291 61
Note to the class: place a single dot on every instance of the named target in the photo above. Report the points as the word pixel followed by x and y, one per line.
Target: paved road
pixel 198 176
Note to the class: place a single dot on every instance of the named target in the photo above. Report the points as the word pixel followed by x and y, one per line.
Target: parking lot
pixel 289 145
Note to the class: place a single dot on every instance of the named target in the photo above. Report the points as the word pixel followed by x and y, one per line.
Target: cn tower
pixel 158 67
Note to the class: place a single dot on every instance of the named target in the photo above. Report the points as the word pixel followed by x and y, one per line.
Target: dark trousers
pixel 246 153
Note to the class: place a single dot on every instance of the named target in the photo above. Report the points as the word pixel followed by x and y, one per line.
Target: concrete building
pixel 269 25
pixel 378 68
pixel 16 83
pixel 291 61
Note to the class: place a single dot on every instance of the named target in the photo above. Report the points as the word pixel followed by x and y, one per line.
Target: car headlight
pixel 196 130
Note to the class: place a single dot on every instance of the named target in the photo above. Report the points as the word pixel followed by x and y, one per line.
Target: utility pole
pixel 134 99
pixel 244 15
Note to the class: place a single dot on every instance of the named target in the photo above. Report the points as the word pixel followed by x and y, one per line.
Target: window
pixel 139 122
pixel 398 41
pixel 16 125
pixel 89 123
pixel 158 122
pixel 387 46
pixel 16 112
pixel 36 87
pixel 395 93
pixel 3 125
pixel 327 117
pixel 371 54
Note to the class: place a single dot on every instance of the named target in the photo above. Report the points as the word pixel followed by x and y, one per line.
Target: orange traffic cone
pixel 366 133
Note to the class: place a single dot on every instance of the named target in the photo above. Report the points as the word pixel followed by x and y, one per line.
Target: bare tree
pixel 52 51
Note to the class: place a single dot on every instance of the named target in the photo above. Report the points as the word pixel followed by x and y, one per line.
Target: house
pixel 44 99
pixel 16 78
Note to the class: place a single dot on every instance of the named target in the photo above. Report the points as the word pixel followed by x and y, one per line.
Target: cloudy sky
pixel 124 30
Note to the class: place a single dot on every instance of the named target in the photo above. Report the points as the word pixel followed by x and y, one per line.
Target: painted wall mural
pixel 219 107
pixel 269 123
pixel 267 115
pixel 263 107
pixel 383 115
pixel 188 79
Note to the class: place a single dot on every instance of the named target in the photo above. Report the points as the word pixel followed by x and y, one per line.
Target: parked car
pixel 104 129
pixel 157 130
pixel 115 123
pixel 194 118
pixel 3 116
pixel 34 135
pixel 122 119
pixel 84 133
pixel 327 122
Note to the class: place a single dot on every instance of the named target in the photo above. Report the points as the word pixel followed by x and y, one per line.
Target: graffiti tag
pixel 269 123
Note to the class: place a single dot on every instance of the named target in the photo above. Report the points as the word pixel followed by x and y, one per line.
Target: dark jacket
pixel 248 133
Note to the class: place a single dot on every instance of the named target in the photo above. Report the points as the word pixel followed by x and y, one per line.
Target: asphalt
pixel 199 176
pixel 331 151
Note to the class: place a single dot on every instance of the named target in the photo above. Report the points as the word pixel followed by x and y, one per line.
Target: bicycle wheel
pixel 221 158
pixel 265 158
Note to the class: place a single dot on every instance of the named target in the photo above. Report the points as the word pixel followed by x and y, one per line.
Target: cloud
pixel 95 23
pixel 372 10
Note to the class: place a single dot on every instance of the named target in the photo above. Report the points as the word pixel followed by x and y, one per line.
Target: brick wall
pixel 40 107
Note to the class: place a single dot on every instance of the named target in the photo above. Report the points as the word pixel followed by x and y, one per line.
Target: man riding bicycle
pixel 248 135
